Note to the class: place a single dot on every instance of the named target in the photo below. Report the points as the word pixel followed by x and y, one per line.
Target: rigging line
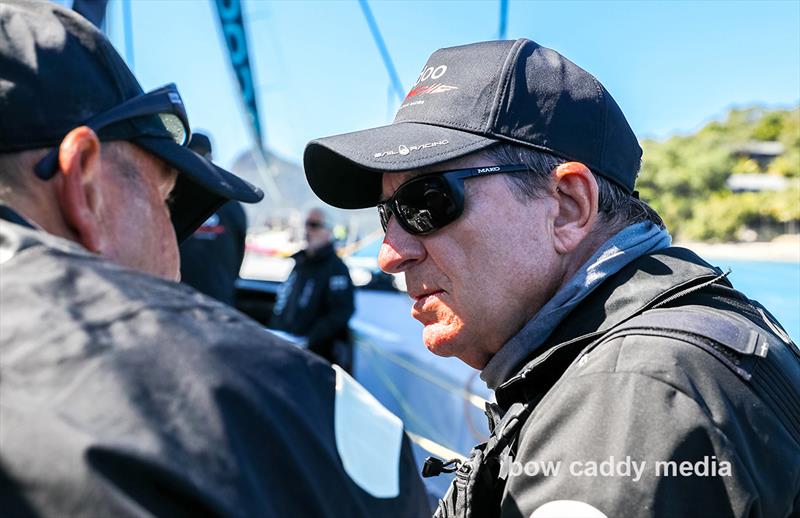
pixel 387 59
pixel 501 32
pixel 434 447
pixel 410 416
pixel 363 340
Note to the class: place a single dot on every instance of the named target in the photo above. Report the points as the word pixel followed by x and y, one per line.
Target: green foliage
pixel 770 127
pixel 721 216
pixel 745 166
pixel 684 177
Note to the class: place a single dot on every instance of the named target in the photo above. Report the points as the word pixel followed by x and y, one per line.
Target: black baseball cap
pixel 468 98
pixel 57 71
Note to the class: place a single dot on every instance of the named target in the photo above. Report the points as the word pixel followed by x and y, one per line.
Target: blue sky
pixel 670 65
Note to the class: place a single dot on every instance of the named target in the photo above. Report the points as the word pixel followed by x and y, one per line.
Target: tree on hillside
pixel 684 177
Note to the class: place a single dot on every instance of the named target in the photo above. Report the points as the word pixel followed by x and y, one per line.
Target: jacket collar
pixel 641 284
pixel 12 216
pixel 323 253
pixel 18 234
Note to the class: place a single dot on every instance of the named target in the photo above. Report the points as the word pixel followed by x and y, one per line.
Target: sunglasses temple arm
pixel 47 166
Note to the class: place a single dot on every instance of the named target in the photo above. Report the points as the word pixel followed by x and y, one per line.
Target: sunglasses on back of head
pixel 427 203
pixel 158 113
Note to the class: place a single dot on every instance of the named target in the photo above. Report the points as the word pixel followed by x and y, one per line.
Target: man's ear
pixel 79 189
pixel 576 193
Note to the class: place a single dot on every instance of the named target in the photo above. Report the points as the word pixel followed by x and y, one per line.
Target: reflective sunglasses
pixel 158 113
pixel 427 203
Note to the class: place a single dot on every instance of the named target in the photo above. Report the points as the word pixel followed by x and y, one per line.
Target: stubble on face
pixel 477 281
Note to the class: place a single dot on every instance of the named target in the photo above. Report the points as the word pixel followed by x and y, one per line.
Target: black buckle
pixel 435 466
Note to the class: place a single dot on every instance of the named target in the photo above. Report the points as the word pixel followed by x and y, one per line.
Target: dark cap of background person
pixel 57 71
pixel 468 98
pixel 200 143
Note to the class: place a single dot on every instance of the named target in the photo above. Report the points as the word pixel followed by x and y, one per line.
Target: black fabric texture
pixel 128 395
pixel 212 256
pixel 661 365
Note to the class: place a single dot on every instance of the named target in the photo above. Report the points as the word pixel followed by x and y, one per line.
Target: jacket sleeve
pixel 624 443
pixel 338 299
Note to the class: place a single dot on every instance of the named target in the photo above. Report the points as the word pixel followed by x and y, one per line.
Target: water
pixel 775 285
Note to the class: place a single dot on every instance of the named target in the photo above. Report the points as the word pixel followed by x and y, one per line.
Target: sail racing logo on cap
pixel 402 149
pixel 435 88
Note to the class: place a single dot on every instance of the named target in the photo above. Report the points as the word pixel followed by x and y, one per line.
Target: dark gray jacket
pixel 126 395
pixel 316 301
pixel 702 387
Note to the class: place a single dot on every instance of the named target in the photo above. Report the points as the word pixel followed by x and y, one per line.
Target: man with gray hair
pixel 630 378
pixel 317 300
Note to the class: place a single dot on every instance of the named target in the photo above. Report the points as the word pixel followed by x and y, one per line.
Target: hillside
pixel 691 180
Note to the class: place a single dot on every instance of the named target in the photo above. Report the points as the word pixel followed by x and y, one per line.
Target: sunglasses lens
pixel 427 204
pixel 384 213
pixel 175 127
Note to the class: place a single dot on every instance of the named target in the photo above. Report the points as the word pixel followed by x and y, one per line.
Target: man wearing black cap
pixel 631 378
pixel 124 393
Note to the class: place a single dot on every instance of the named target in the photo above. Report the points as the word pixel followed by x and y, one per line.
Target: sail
pixel 231 20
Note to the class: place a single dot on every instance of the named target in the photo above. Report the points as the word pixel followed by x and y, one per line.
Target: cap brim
pixel 345 170
pixel 201 188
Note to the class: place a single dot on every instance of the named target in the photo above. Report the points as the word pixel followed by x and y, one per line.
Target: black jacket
pixel 126 395
pixel 702 386
pixel 316 301
pixel 212 256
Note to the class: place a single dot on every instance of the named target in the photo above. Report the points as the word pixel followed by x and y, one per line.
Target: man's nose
pixel 400 250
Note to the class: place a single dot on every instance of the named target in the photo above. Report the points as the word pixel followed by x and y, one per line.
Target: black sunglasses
pixel 158 113
pixel 427 203
pixel 314 224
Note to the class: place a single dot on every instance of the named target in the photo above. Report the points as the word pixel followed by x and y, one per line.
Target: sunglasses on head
pixel 158 113
pixel 427 203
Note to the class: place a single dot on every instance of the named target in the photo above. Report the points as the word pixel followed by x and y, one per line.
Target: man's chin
pixel 446 342
pixel 440 340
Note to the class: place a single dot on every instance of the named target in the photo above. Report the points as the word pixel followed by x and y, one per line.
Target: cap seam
pixel 505 78
pixel 603 120
pixel 441 123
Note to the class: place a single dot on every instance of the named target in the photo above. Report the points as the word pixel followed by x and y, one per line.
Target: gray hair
pixel 14 168
pixel 17 176
pixel 617 208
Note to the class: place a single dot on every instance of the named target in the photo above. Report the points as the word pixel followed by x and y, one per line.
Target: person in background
pixel 122 392
pixel 212 256
pixel 316 301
